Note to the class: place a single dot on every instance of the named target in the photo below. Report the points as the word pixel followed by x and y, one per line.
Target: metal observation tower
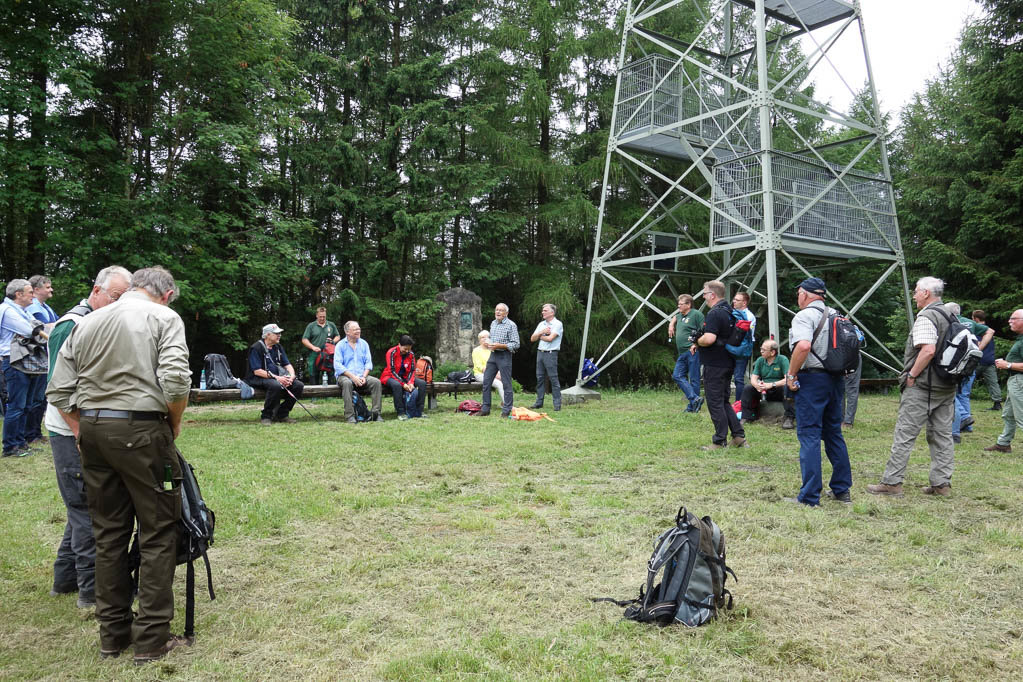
pixel 719 120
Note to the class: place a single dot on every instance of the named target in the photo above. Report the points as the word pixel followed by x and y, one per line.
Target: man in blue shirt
pixel 548 332
pixel 14 319
pixel 270 369
pixel 352 365
pixel 35 408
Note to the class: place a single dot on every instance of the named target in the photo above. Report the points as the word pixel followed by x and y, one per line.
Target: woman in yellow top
pixel 480 355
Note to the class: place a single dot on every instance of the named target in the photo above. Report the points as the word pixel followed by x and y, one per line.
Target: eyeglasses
pixel 1015 319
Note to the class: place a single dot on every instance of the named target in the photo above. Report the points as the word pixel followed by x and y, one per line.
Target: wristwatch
pixel 911 376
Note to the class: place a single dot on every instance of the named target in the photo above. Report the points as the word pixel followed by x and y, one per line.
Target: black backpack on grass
pixel 194 539
pixel 689 558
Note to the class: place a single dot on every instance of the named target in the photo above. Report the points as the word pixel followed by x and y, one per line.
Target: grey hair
pixel 348 325
pixel 953 308
pixel 155 281
pixel 931 284
pixel 38 281
pixel 554 308
pixel 771 344
pixel 108 273
pixel 502 305
pixel 16 285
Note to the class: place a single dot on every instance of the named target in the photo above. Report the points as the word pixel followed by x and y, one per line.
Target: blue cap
pixel 814 285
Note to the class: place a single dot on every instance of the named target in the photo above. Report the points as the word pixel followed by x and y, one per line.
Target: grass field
pixel 467 548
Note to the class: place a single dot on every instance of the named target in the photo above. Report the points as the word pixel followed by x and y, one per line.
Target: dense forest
pixel 367 154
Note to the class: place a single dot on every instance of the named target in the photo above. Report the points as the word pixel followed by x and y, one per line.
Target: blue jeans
pixel 819 418
pixel 687 374
pixel 20 388
pixel 739 376
pixel 963 404
pixel 35 408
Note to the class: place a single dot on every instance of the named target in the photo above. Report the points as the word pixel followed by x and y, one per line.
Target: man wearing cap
pixel 818 397
pixel 270 369
pixel 927 399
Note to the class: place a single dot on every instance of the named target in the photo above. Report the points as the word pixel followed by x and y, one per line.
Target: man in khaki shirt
pixel 121 381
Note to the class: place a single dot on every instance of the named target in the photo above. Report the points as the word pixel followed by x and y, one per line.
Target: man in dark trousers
pixel 75 567
pixel 818 397
pixel 504 340
pixel 718 366
pixel 270 369
pixel 121 380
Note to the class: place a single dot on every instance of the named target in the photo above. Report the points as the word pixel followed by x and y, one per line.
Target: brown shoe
pixel 998 448
pixel 712 446
pixel 942 490
pixel 885 489
pixel 172 643
pixel 738 442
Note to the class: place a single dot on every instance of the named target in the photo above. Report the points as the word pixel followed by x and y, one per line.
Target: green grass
pixel 462 548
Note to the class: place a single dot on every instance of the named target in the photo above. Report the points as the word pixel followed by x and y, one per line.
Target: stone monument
pixel 458 323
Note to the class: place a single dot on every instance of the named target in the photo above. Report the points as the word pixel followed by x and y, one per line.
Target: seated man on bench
pixel 270 369
pixel 767 379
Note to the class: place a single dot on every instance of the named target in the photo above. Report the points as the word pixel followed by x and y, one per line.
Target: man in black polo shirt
pixel 718 365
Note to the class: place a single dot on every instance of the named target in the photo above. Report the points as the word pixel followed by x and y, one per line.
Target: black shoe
pixel 483 413
pixel 788 424
pixel 536 406
pixel 557 408
pixel 996 407
pixel 58 590
pixel 957 439
pixel 697 403
pixel 966 423
pixel 840 497
pixel 505 415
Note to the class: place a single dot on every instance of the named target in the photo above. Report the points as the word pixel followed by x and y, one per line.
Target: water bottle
pixel 168 481
pixel 324 378
pixel 202 380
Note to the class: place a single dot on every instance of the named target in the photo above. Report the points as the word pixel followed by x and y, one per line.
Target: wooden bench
pixel 215 395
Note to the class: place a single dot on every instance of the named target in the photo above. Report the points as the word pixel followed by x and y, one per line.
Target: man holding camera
pixel 718 365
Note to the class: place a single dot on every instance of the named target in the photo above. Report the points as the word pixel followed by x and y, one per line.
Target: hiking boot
pixel 172 643
pixel 788 423
pixel 839 497
pixel 58 590
pixel 403 417
pixel 536 406
pixel 557 408
pixel 996 407
pixel 86 601
pixel 738 442
pixel 998 448
pixel 713 446
pixel 697 403
pixel 266 422
pixel 956 438
pixel 112 653
pixel 483 413
pixel 505 415
pixel 942 490
pixel 352 420
pixel 966 423
pixel 375 417
pixel 885 489
pixel 19 451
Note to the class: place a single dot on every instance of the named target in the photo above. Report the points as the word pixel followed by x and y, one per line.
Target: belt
pixel 124 414
pixel 548 351
pixel 812 370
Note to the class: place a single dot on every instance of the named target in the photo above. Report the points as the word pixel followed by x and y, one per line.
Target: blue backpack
pixel 411 407
pixel 740 343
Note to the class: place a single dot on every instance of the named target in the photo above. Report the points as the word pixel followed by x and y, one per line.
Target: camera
pixel 695 336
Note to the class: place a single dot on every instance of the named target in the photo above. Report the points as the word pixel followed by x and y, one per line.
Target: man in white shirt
pixel 549 333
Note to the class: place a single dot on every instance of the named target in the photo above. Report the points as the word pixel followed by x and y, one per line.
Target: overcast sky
pixel 907 40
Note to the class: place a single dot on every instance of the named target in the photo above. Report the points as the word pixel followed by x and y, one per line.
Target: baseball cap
pixel 271 329
pixel 814 285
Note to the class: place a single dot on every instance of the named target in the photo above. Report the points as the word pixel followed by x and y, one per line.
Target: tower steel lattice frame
pixel 711 104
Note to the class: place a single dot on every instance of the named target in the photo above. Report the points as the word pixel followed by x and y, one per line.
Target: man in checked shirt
pixel 504 340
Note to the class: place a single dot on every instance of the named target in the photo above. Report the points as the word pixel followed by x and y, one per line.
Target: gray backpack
pixel 689 559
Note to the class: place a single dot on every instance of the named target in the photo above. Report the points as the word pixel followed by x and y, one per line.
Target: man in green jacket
pixel 1012 413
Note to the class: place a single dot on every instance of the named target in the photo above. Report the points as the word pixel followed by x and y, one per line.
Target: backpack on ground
pixel 844 343
pixel 589 370
pixel 740 339
pixel 218 372
pixel 324 361
pixel 359 405
pixel 424 369
pixel 470 407
pixel 194 539
pixel 957 353
pixel 689 558
pixel 464 376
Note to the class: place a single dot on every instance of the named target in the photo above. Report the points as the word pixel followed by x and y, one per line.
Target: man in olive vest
pixel 927 399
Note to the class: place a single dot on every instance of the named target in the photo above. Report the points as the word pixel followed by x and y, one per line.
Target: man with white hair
pixel 504 340
pixel 1012 413
pixel 15 320
pixel 75 567
pixel 927 399
pixel 271 370
pixel 121 380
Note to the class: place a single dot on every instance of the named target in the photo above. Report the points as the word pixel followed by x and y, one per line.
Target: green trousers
pixel 123 461
pixel 1012 412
